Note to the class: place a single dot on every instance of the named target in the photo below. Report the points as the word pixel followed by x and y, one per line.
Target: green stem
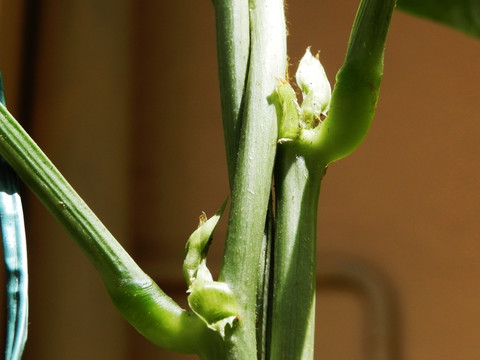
pixel 241 266
pixel 264 287
pixel 297 187
pixel 36 170
pixel 298 172
pixel 138 298
pixel 356 91
pixel 233 46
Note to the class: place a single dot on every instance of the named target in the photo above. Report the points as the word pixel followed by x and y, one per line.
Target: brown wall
pixel 126 104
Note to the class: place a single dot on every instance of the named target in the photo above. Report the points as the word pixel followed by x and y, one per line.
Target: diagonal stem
pixel 139 299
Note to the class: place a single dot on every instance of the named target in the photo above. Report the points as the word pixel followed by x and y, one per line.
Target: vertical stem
pixel 250 195
pixel 298 172
pixel 297 187
pixel 264 288
pixel 233 47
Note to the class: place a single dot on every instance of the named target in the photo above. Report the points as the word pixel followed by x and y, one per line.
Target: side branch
pixel 138 298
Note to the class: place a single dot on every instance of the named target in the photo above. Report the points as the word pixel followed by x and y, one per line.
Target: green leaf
pixel 462 15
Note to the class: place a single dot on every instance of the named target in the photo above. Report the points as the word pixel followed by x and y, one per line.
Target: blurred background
pixel 123 96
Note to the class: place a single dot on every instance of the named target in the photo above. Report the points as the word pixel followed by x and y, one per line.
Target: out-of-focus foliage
pixel 463 15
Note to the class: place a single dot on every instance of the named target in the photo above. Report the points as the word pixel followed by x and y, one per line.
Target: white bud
pixel 313 83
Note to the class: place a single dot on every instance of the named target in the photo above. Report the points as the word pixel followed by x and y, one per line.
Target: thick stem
pixel 299 168
pixel 297 187
pixel 355 95
pixel 241 269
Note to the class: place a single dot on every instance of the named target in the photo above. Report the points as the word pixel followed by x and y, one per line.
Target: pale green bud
pixel 285 101
pixel 198 244
pixel 212 301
